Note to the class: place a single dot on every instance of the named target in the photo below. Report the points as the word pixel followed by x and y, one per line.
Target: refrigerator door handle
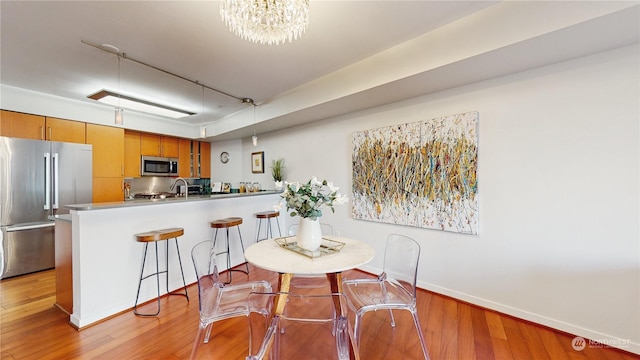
pixel 55 192
pixel 47 181
pixel 30 226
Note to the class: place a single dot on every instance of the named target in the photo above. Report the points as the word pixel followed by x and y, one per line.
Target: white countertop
pixel 63 217
pixel 146 202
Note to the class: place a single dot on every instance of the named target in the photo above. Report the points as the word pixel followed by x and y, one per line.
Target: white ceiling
pixel 42 50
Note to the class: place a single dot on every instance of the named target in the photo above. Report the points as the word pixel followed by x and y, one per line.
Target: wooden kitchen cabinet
pixel 205 159
pixel 131 153
pixel 157 145
pixel 108 162
pixel 108 150
pixel 185 169
pixel 65 130
pixel 107 189
pixel 169 146
pixel 28 126
pixel 195 159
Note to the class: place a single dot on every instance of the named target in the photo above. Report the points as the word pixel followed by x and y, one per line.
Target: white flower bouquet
pixel 306 200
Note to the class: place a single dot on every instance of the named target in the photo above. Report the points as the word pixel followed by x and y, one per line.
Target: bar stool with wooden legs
pixel 155 236
pixel 268 216
pixel 226 224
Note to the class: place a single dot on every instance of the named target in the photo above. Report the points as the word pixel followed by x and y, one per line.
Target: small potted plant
pixel 277 167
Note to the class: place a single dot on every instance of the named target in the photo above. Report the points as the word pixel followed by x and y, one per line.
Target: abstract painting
pixel 420 174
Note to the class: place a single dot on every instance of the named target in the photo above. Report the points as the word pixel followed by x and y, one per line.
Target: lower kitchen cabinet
pixel 107 189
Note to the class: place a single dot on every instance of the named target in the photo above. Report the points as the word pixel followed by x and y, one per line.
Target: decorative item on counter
pixel 127 191
pixel 226 187
pixel 306 201
pixel 243 187
pixel 216 187
pixel 277 168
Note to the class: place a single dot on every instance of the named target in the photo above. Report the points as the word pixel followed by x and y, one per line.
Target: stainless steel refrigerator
pixel 37 179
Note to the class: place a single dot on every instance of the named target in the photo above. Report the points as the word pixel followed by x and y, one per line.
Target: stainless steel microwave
pixel 158 166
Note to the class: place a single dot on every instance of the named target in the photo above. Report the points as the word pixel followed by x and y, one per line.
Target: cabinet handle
pixel 50 134
pixel 42 133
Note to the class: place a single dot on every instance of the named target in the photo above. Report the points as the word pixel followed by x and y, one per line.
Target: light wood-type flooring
pixel 33 328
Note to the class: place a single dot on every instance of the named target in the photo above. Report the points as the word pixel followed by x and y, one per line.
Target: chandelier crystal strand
pixel 269 22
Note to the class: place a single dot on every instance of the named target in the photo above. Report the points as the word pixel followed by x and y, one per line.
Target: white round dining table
pixel 268 255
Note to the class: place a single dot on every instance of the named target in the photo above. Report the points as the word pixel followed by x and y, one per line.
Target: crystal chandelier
pixel 266 21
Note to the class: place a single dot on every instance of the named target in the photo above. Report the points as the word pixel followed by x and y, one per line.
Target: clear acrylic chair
pixel 394 289
pixel 312 327
pixel 305 280
pixel 217 300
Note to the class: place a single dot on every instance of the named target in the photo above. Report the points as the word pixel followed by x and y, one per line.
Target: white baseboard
pixel 593 338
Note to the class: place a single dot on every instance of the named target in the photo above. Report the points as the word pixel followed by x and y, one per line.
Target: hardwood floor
pixel 33 328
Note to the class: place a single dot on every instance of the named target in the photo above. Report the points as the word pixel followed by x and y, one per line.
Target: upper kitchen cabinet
pixel 108 150
pixel 37 127
pixel 205 159
pixel 157 145
pixel 131 153
pixel 21 125
pixel 185 168
pixel 108 162
pixel 65 130
pixel 195 159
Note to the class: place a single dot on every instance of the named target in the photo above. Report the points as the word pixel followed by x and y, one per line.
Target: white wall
pixel 232 170
pixel 558 184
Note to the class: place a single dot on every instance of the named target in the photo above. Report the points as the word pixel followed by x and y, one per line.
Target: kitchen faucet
pixel 186 186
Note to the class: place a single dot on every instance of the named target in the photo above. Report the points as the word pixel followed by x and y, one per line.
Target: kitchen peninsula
pixel 106 257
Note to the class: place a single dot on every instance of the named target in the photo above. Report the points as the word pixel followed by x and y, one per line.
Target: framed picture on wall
pixel 257 162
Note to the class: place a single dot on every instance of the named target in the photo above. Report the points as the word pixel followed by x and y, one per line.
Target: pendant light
pixel 254 138
pixel 119 116
pixel 203 127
